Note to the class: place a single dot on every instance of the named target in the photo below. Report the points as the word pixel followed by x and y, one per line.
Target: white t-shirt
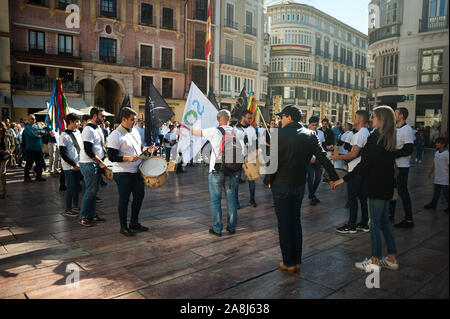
pixel 170 137
pixel 441 168
pixel 94 136
pixel 214 136
pixel 346 138
pixel 66 141
pixel 359 139
pixel 405 135
pixel 321 136
pixel 127 145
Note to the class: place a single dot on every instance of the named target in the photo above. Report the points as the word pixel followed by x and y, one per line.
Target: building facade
pixel 5 62
pixel 409 44
pixel 316 62
pixel 119 47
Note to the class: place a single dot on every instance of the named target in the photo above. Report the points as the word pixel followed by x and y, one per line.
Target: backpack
pixel 230 146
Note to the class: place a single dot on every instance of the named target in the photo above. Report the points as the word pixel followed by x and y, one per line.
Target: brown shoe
pixel 290 270
pixel 85 222
pixel 297 268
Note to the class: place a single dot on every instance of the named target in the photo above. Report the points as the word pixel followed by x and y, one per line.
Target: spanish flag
pixel 208 34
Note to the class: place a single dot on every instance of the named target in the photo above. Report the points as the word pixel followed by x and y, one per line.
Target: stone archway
pixel 108 95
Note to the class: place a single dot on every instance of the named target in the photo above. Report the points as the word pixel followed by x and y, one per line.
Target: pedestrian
pixel 170 141
pixel 70 143
pixel 440 170
pixel 5 156
pixel 337 130
pixel 376 169
pixel 420 146
pixel 296 146
pixel 223 172
pixel 32 135
pixel 314 168
pixel 354 185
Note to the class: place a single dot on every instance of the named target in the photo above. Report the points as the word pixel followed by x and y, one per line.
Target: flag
pixel 241 105
pixel 126 101
pixel 157 112
pixel 212 99
pixel 57 109
pixel 199 113
pixel 208 34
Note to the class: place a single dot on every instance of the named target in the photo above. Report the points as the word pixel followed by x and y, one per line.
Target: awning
pixel 40 101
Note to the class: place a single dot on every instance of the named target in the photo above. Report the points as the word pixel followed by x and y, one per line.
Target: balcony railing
pixel 384 33
pixel 226 59
pixel 201 15
pixel 198 54
pixel 40 83
pixel 290 75
pixel 433 24
pixel 349 63
pixel 322 79
pixel 250 30
pixel 319 52
pixel 50 51
pixel 336 58
pixel 361 67
pixel 230 24
pixel 327 55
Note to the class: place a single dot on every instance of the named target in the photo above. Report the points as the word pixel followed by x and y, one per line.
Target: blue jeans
pixel 251 187
pixel 419 153
pixel 379 222
pixel 355 193
pixel 73 178
pixel 127 184
pixel 217 183
pixel 91 181
pixel 314 176
pixel 288 202
pixel 437 193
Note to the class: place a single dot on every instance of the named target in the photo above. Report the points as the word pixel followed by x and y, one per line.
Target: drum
pixel 154 172
pixel 252 167
pixel 108 172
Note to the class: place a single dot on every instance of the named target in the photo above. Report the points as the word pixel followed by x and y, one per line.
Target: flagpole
pixel 209 55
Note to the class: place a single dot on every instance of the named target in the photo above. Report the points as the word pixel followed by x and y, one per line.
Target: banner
pixel 199 113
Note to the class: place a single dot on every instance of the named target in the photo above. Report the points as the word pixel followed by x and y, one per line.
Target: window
pixel 146 56
pixel 167 88
pixel 237 84
pixel 431 66
pixel 167 19
pixel 248 55
pixel 199 77
pixel 145 81
pixel 200 42
pixel 388 12
pixel 166 59
pixel 225 83
pixel 201 12
pixel 229 22
pixel 229 48
pixel 37 2
pixel 36 41
pixel 38 70
pixel 65 44
pixel 108 50
pixel 389 68
pixel 438 8
pixel 66 75
pixel 62 4
pixel 146 14
pixel 108 8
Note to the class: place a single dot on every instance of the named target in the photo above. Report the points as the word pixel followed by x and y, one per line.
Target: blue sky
pixel 351 12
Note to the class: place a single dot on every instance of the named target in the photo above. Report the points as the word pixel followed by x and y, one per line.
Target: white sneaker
pixel 416 160
pixel 420 162
pixel 385 263
pixel 367 264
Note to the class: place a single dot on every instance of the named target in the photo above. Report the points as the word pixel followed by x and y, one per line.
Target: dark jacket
pixel 296 146
pixel 376 168
pixel 329 137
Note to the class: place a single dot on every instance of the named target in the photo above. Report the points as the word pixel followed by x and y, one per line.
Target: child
pixel 440 170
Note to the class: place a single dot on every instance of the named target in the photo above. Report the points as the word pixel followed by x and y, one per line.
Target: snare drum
pixel 154 172
pixel 108 171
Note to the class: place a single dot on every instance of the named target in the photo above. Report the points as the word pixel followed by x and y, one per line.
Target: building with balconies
pixel 409 44
pixel 5 62
pixel 316 62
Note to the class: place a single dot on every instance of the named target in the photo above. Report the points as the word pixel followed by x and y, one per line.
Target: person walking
pixel 33 146
pixel 376 169
pixel 420 146
pixel 5 156
pixel 314 168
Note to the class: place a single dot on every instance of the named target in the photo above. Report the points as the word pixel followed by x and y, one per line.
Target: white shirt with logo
pixel 66 141
pixel 95 137
pixel 441 168
pixel 405 135
pixel 127 145
pixel 359 139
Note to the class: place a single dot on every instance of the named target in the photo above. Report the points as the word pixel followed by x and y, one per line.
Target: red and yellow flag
pixel 208 34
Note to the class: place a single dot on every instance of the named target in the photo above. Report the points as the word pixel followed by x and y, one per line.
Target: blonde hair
pixel 388 133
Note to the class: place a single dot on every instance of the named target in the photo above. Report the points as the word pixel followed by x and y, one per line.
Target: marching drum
pixel 154 172
pixel 252 168
pixel 108 172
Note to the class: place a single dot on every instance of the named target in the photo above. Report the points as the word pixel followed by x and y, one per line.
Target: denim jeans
pixel 379 222
pixel 217 183
pixel 72 179
pixel 437 193
pixel 251 187
pixel 314 176
pixel 419 153
pixel 355 193
pixel 402 188
pixel 91 181
pixel 127 184
pixel 288 202
pixel 168 151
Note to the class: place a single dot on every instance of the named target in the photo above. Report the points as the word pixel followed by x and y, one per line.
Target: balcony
pixel 40 83
pixel 250 30
pixel 349 63
pixel 199 54
pixel 201 15
pixel 319 52
pixel 49 51
pixel 361 67
pixel 433 24
pixel 290 75
pixel 336 58
pixel 226 59
pixel 321 79
pixel 327 55
pixel 230 24
pixel 384 33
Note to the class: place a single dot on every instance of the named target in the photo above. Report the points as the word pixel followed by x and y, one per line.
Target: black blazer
pixel 376 168
pixel 296 146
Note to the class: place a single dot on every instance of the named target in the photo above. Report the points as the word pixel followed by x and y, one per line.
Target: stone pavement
pixel 178 258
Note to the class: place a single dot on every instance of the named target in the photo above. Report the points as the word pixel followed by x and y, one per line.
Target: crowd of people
pixel 374 152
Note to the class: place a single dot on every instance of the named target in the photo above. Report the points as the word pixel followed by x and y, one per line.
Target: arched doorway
pixel 108 95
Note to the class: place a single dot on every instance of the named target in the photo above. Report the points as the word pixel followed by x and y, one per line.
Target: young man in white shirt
pixel 405 147
pixel 70 142
pixel 354 186
pixel 440 170
pixel 124 148
pixel 91 163
pixel 217 179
